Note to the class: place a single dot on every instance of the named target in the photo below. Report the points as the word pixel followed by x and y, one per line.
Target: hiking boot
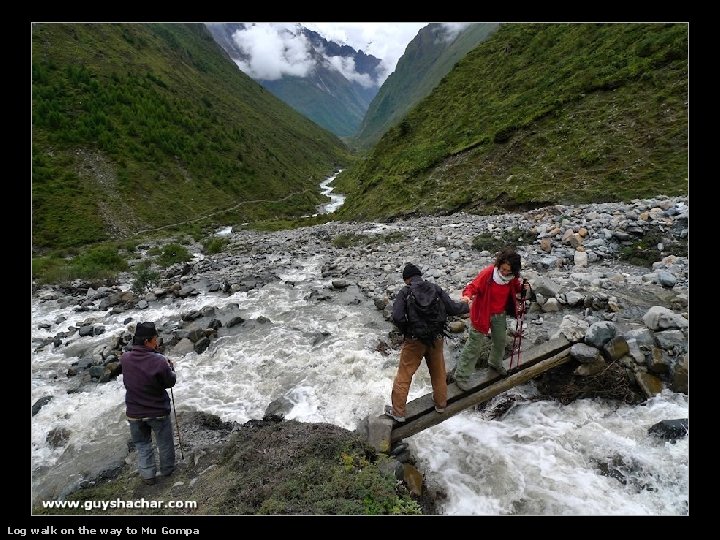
pixel 149 481
pixel 500 369
pixel 463 384
pixel 391 413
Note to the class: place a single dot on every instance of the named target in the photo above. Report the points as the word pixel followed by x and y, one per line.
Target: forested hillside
pixel 137 126
pixel 538 114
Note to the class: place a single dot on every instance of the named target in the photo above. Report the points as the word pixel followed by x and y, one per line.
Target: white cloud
pixel 277 49
pixel 452 29
pixel 386 41
pixel 274 50
pixel 346 66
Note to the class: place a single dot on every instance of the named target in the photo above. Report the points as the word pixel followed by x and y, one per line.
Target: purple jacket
pixel 146 375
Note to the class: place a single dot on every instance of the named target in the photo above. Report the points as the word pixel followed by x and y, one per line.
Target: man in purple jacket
pixel 146 375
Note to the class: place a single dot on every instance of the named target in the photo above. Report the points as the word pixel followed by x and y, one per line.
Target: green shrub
pixel 215 245
pixel 173 253
pixel 129 245
pixel 406 507
pixel 98 262
pixel 144 277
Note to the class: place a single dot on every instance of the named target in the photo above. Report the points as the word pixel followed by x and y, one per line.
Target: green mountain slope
pixel 538 114
pixel 327 98
pixel 427 59
pixel 137 126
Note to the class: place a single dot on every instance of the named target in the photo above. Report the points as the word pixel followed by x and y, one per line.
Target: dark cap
pixel 411 270
pixel 145 330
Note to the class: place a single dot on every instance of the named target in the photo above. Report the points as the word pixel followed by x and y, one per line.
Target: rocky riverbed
pixel 629 321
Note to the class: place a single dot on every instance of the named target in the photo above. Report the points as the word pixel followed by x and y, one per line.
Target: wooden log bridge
pixel 420 413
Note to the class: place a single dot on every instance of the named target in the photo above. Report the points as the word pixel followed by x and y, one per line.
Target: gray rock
pixel 574 298
pixel 661 318
pixel 643 336
pixel 201 345
pixel 183 347
pixel 584 353
pixel 615 349
pixel 580 259
pixel 85 331
pixel 546 287
pixel 672 340
pixel 666 279
pixel 600 333
pixel 234 322
pixel 637 352
pixel 572 328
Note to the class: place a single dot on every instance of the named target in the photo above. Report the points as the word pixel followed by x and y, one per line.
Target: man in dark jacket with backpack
pixel 420 312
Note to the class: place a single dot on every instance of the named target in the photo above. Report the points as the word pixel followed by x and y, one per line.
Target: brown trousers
pixel 411 355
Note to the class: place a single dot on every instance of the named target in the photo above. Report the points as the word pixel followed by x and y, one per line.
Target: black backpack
pixel 425 312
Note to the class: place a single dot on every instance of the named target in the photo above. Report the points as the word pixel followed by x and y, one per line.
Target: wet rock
pixel 670 429
pixel 278 408
pixel 679 381
pixel 57 437
pixel 39 404
pixel 650 384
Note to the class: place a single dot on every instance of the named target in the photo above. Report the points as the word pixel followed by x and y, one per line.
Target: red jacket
pixel 480 308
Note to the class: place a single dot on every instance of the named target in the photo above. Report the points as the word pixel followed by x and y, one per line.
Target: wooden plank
pixel 478 395
pixel 487 376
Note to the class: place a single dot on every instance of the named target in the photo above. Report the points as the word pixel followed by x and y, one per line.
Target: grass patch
pixel 644 251
pixel 494 242
pixel 347 240
pixel 101 261
pixel 215 245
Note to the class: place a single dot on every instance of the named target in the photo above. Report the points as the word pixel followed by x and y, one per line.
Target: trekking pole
pixel 177 426
pixel 520 309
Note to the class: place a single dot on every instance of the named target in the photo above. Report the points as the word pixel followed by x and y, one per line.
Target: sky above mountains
pixel 278 49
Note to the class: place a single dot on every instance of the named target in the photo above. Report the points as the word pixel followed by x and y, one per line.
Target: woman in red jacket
pixel 490 293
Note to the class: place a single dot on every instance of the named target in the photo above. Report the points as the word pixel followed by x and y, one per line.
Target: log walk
pixel 420 414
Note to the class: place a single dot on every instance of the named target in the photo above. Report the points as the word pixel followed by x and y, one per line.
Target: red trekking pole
pixel 520 309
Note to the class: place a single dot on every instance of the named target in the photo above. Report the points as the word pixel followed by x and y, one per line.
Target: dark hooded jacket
pixel 146 375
